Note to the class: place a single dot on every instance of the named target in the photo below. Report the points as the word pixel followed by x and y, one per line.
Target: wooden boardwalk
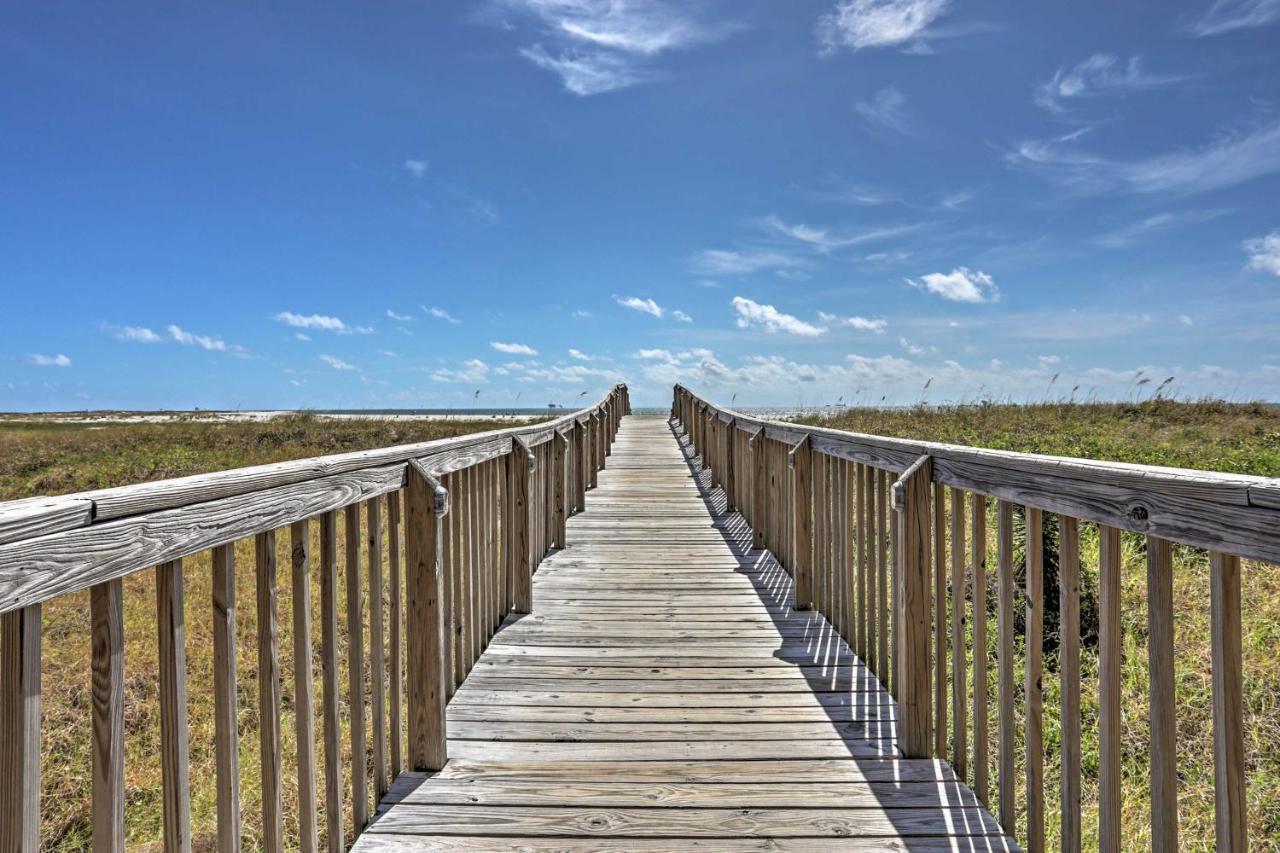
pixel 665 696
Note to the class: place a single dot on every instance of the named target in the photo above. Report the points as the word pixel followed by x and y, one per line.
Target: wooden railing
pixel 873 532
pixel 473 517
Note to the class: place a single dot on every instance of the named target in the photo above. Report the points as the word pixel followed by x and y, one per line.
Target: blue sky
pixel 398 204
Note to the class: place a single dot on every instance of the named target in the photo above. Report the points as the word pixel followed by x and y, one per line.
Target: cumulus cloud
pixel 680 316
pixel 513 348
pixel 138 334
pixel 579 355
pixel 862 324
pixel 186 338
pixel 655 354
pixel 471 372
pixel 1264 253
pixel 644 306
pixel 959 285
pixel 312 321
pixel 858 24
pixel 40 360
pixel 751 313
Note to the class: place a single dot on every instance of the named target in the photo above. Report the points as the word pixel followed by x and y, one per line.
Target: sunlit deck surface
pixel 664 695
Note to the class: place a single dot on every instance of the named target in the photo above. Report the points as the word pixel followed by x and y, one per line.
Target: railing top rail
pixel 1233 513
pixel 51 546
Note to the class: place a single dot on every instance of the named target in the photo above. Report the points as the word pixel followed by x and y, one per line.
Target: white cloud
pixel 140 334
pixel 604 45
pixel 736 262
pixel 403 318
pixel 1100 74
pixel 856 24
pixel 1225 16
pixel 186 338
pixel 312 321
pixel 472 372
pixel 579 355
pixel 681 316
pixel 1131 233
pixel 1229 160
pixel 581 315
pixel 862 324
pixel 484 212
pixel 415 168
pixel 655 354
pixel 910 347
pixel 302 336
pixel 1185 319
pixel 751 313
pixel 388 353
pixel 513 349
pixel 337 363
pixel 644 306
pixel 58 360
pixel 887 109
pixel 1264 253
pixel 824 240
pixel 440 314
pixel 959 285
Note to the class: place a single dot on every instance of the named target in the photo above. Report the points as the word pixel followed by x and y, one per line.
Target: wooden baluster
pixel 1069 672
pixel 497 565
pixel 882 575
pixel 106 606
pixel 518 467
pixel 397 666
pixel 559 454
pixel 461 583
pixel 940 619
pixel 895 565
pixel 478 585
pixel 911 504
pixel 171 628
pixel 355 673
pixel 848 482
pixel 981 783
pixel 329 678
pixel 20 730
pixel 959 682
pixel 1004 618
pixel 1033 689
pixel 1164 735
pixel 303 684
pixel 862 549
pixel 580 466
pixel 226 746
pixel 377 647
pixel 1109 696
pixel 802 514
pixel 269 691
pixel 821 567
pixel 759 484
pixel 425 504
pixel 731 467
pixel 1228 704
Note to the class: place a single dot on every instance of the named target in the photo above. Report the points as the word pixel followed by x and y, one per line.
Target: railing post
pixel 559 452
pixel 579 466
pixel 730 467
pixel 593 450
pixel 911 503
pixel 758 490
pixel 802 523
pixel 20 730
pixel 426 503
pixel 520 465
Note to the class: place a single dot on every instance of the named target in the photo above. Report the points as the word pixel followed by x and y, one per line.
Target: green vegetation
pixel 1208 435
pixel 56 458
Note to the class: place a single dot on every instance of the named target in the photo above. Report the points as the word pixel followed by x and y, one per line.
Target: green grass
pixel 58 458
pixel 1207 435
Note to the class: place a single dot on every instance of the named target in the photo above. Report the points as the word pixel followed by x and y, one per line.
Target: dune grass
pixel 58 458
pixel 1207 435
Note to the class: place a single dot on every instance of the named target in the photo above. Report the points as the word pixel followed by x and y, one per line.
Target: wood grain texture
pixel 334 839
pixel 1005 664
pixel 303 685
pixel 424 675
pixel 1228 705
pixel 172 669
pixel 1032 687
pixel 981 782
pixel 356 672
pixel 269 693
pixel 20 730
pixel 1110 699
pixel 377 645
pixel 396 605
pixel 106 605
pixel 39 516
pixel 1069 675
pixel 1164 726
pixel 959 682
pixel 914 522
pixel 226 743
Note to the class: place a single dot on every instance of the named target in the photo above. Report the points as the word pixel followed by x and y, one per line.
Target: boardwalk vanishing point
pixel 664 695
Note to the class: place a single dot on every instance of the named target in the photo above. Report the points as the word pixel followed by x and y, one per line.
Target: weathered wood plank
pixel 303 685
pixel 20 640
pixel 172 667
pixel 106 605
pixel 226 744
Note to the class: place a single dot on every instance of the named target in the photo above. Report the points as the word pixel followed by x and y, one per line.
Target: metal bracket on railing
pixel 439 494
pixel 898 492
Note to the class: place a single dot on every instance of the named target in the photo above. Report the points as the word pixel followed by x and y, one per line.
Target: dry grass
pixel 1207 435
pixel 53 459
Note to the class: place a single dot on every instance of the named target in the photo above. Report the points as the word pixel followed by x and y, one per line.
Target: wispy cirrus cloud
pixel 402 318
pixel 440 314
pixel 599 46
pixel 887 109
pixel 742 261
pixel 1231 159
pixel 1226 16
pixel 1127 235
pixel 1099 75
pixel 513 348
pixel 824 239
pixel 755 314
pixel 41 360
pixel 337 363
pixel 174 334
pixel 1264 253
pixel 960 285
pixel 644 306
pixel 859 24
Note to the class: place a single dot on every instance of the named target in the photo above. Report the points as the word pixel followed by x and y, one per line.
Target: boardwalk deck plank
pixel 664 695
